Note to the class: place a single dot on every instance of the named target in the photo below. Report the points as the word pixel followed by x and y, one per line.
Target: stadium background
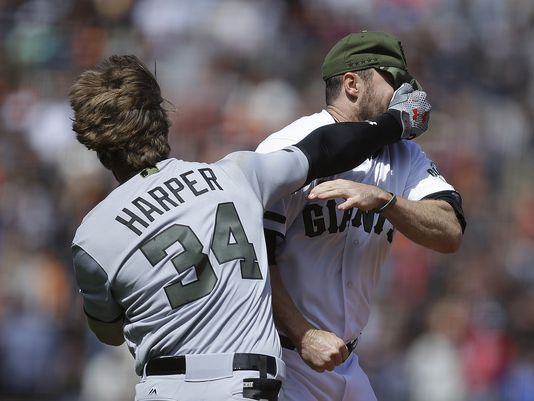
pixel 445 328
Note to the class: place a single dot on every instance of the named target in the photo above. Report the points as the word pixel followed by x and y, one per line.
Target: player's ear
pixel 352 85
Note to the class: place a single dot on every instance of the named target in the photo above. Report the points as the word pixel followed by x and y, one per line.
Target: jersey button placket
pixel 348 275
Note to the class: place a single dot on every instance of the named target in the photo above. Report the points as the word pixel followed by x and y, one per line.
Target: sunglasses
pixel 400 77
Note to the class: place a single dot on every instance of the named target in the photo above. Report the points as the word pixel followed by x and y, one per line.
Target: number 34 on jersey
pixel 229 243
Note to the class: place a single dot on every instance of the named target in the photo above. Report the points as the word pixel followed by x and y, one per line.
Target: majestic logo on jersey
pixel 315 223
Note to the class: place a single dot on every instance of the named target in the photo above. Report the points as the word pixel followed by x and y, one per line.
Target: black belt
pixel 288 344
pixel 175 365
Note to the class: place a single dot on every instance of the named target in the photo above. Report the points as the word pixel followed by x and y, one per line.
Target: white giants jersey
pixel 179 253
pixel 330 260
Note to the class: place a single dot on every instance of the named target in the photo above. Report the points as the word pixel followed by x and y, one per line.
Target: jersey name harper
pixel 167 196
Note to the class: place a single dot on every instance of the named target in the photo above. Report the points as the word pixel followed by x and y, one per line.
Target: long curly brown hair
pixel 118 112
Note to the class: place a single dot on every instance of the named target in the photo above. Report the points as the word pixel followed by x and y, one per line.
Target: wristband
pixel 388 204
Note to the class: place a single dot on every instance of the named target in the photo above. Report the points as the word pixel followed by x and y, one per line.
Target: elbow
pixel 451 247
pixel 452 243
pixel 109 334
pixel 111 340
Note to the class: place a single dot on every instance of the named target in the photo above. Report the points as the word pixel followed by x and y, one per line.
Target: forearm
pixel 339 147
pixel 287 317
pixel 430 223
pixel 321 350
pixel 335 148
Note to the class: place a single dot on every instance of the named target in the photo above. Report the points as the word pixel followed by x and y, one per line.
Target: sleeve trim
pixel 120 317
pixel 454 199
pixel 276 217
pixel 270 241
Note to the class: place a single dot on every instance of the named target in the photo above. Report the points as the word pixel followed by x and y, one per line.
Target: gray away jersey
pixel 180 254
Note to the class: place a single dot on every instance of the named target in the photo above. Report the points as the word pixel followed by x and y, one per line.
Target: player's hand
pixel 362 196
pixel 322 350
pixel 414 110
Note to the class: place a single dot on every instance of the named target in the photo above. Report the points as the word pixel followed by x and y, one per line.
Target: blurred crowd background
pixel 444 327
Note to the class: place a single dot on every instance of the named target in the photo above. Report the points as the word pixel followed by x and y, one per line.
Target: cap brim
pixel 401 76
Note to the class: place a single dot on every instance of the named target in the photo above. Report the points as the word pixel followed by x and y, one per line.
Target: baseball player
pixel 326 255
pixel 173 260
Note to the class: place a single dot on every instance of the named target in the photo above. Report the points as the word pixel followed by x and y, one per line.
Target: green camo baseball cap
pixel 359 51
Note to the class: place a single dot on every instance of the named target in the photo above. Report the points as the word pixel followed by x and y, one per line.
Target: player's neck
pixel 340 115
pixel 123 175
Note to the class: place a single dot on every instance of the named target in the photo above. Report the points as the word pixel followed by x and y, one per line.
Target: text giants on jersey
pixel 315 223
